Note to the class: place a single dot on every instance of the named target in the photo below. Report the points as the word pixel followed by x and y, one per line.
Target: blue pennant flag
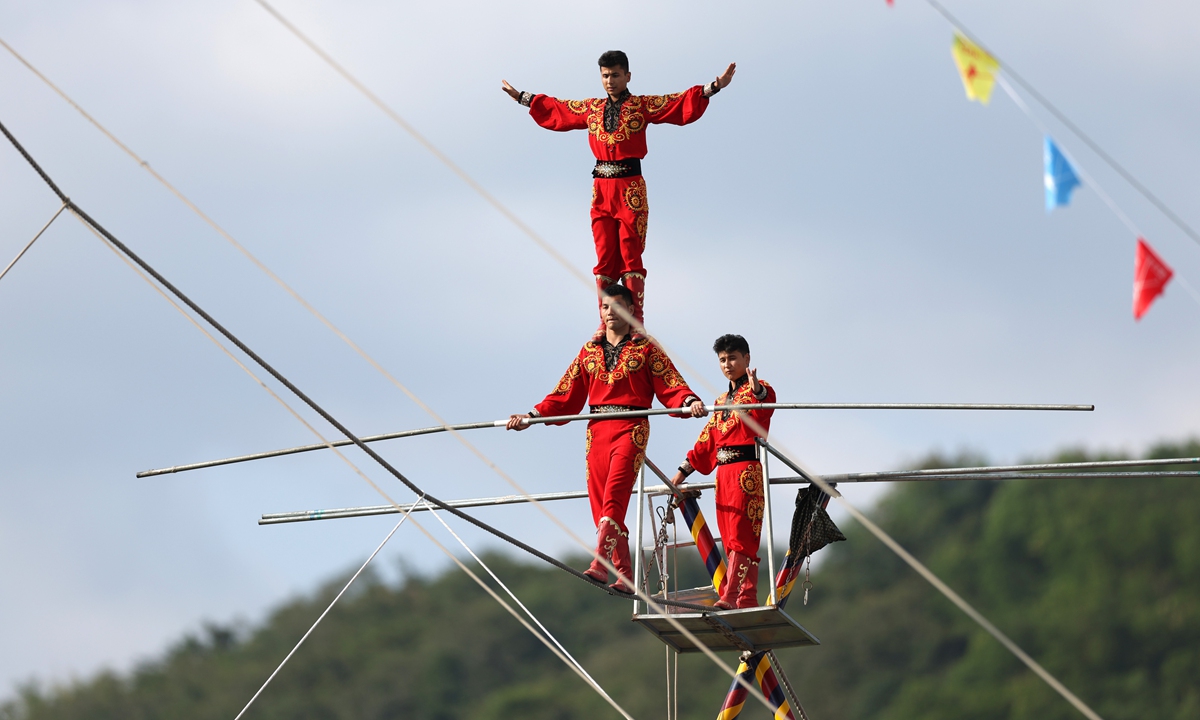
pixel 1060 176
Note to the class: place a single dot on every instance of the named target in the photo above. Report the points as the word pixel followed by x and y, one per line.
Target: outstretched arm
pixel 550 113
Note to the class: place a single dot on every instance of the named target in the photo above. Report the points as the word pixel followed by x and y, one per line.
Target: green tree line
pixel 1099 580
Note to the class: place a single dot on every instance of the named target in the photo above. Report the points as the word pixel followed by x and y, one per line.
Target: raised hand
pixel 755 387
pixel 514 93
pixel 726 77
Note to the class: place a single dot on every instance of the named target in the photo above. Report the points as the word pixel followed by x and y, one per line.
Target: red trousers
pixel 615 452
pixel 619 216
pixel 740 506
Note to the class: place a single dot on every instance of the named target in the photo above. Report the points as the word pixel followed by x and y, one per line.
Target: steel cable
pixel 322 617
pixel 35 239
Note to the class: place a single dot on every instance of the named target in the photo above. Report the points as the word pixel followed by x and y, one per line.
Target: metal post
pixel 637 544
pixel 767 525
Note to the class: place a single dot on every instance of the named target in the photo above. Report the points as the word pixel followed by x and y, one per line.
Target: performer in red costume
pixel 614 374
pixel 727 443
pixel 616 127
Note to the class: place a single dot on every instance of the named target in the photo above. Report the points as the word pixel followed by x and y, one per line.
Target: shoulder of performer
pixel 579 107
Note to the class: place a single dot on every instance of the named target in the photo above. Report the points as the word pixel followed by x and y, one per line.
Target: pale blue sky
pixel 873 234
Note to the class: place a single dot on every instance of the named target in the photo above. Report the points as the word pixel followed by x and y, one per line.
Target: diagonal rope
pixel 426 143
pixel 238 361
pixel 322 617
pixel 1075 129
pixel 576 665
pixel 35 239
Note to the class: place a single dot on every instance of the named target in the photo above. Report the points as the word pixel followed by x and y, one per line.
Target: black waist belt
pixel 735 453
pixel 617 168
pixel 605 409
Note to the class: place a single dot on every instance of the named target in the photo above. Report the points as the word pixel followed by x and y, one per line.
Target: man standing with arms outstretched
pixel 728 444
pixel 615 374
pixel 616 127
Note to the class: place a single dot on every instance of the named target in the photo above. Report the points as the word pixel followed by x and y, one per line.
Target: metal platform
pixel 753 629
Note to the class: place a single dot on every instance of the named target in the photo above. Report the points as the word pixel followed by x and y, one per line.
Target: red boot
pixel 624 566
pixel 748 593
pixel 608 536
pixel 636 284
pixel 601 283
pixel 736 571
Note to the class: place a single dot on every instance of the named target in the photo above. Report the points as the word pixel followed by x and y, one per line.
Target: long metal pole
pixel 892 474
pixel 638 541
pixel 768 526
pixel 315 446
pixel 610 416
pixel 657 490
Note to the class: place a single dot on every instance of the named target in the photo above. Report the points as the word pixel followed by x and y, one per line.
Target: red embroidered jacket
pixel 628 140
pixel 642 372
pixel 726 428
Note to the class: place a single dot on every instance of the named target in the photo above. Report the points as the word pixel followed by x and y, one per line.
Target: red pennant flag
pixel 1150 276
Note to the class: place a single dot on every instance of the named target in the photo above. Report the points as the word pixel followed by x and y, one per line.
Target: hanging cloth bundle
pixel 812 529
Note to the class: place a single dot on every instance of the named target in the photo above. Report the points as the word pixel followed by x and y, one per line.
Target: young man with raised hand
pixel 615 374
pixel 727 443
pixel 616 126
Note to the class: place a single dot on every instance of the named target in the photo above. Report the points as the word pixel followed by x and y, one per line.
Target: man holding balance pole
pixel 615 373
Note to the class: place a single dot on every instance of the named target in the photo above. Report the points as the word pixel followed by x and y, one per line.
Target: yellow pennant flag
pixel 977 68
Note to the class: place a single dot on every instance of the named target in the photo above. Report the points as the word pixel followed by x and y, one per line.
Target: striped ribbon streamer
pixel 786 580
pixel 756 668
pixel 713 562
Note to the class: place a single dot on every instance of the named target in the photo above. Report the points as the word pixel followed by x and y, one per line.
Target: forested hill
pixel 1098 580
